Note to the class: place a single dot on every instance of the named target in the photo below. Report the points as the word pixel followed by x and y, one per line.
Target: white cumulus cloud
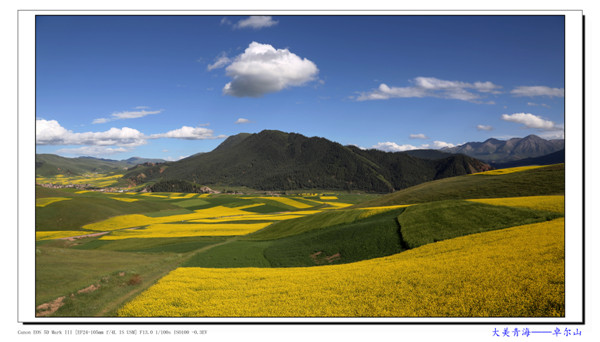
pixel 434 87
pixel 484 128
pixel 389 146
pixel 50 132
pixel 531 91
pixel 442 144
pixel 256 22
pixel 242 121
pixel 262 69
pixel 530 121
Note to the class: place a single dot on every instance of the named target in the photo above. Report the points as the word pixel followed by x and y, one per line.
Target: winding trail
pixel 152 278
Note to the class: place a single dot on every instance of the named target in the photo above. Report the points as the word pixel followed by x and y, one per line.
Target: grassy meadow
pixel 431 250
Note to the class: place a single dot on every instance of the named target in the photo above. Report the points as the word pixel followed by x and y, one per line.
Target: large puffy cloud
pixel 188 133
pixel 50 132
pixel 530 121
pixel 433 87
pixel 538 91
pixel 262 69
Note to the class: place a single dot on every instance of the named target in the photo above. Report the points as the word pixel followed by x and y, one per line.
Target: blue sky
pixel 171 86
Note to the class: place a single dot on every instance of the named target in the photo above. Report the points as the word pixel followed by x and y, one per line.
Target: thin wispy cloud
pixel 220 61
pixel 188 133
pixel 418 136
pixel 484 128
pixel 263 69
pixel 93 150
pixel 256 22
pixel 434 87
pixel 531 91
pixel 139 113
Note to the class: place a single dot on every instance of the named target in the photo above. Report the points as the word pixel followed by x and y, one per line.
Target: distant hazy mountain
pixel 548 159
pixel 51 164
pixel 498 151
pixel 274 160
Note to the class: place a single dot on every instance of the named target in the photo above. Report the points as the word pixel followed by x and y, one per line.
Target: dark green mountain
pixel 274 160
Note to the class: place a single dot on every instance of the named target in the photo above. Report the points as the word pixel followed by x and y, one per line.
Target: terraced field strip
pixel 554 203
pixel 169 230
pixel 44 201
pixel 509 170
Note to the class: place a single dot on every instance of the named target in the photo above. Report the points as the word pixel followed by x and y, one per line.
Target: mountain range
pixel 275 160
pixel 51 164
pixel 501 151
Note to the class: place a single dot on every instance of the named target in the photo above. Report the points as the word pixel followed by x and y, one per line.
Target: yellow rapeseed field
pixel 138 220
pixel 509 170
pixel 327 198
pixel 260 217
pixel 287 201
pixel 125 199
pixel 99 180
pixel 337 205
pixel 513 272
pixel 370 211
pixel 44 201
pixel 167 230
pixel 50 235
pixel 554 203
pixel 182 196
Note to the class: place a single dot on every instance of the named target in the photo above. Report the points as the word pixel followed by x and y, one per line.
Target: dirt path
pixel 152 278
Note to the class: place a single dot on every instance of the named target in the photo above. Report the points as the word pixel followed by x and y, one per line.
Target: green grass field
pixel 329 234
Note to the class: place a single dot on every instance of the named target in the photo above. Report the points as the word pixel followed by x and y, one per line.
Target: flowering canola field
pixel 137 220
pixel 555 203
pixel 44 201
pixel 58 234
pixel 167 230
pixel 509 170
pixel 513 272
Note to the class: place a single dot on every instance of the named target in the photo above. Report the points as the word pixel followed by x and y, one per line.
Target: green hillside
pixel 549 180
pixel 51 165
pixel 436 221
